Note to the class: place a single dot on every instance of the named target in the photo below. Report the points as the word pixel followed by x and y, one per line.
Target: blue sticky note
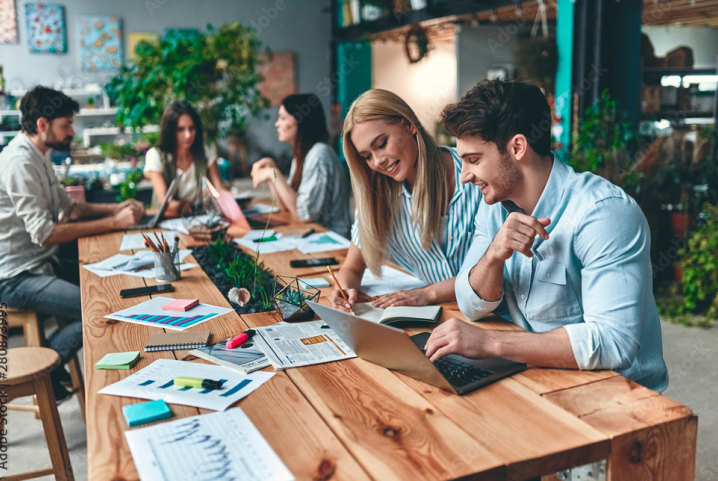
pixel 144 413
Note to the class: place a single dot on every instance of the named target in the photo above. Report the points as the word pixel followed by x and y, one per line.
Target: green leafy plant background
pixel 216 72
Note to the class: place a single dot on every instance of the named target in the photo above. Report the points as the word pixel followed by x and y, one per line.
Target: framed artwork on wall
pixel 134 38
pixel 46 31
pixel 8 22
pixel 100 39
pixel 279 76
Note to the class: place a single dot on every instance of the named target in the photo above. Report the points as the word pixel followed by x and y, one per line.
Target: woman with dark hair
pixel 318 190
pixel 181 153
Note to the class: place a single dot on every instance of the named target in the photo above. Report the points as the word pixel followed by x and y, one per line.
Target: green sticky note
pixel 144 413
pixel 118 360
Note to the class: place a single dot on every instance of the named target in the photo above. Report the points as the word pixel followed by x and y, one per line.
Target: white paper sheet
pixel 391 280
pixel 301 344
pixel 156 381
pixel 207 447
pixel 317 282
pixel 258 209
pixel 150 313
pixel 135 241
pixel 284 243
pixel 258 234
pixel 323 242
pixel 113 266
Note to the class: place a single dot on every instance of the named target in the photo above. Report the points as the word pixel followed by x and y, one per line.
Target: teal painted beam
pixel 564 73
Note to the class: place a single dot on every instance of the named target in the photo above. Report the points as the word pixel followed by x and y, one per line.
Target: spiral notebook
pixel 169 341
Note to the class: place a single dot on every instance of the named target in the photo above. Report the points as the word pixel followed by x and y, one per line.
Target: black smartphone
pixel 324 261
pixel 143 291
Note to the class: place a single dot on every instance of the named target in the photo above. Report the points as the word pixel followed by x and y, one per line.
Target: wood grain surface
pixel 356 420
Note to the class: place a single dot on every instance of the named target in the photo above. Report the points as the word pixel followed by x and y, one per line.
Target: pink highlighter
pixel 236 341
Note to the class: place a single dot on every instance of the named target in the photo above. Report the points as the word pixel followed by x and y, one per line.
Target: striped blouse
pixel 443 261
pixel 323 194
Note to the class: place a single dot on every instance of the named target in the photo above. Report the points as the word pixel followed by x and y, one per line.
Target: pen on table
pixel 307 233
pixel 175 249
pixel 198 383
pixel 341 291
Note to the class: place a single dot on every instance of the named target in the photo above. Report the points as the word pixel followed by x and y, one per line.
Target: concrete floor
pixel 691 355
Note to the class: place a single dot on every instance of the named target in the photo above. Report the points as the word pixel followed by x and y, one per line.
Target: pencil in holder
pixel 167 266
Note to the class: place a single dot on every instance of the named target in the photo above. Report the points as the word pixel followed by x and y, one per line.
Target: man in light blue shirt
pixel 561 254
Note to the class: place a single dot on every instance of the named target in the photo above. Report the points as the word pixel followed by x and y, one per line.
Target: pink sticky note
pixel 180 305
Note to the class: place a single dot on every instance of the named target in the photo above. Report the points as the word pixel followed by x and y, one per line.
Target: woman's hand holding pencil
pixel 348 296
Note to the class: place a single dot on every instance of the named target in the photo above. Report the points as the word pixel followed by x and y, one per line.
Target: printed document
pixel 302 344
pixel 224 445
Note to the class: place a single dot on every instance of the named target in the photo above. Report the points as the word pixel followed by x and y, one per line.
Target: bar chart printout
pixel 208 447
pixel 156 381
pixel 150 313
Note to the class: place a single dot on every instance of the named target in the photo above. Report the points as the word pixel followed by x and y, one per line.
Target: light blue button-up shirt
pixel 592 277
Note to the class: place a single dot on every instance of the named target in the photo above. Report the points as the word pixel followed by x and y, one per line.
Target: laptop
pixel 151 221
pixel 394 349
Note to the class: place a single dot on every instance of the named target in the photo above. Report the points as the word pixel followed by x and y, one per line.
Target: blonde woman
pixel 411 206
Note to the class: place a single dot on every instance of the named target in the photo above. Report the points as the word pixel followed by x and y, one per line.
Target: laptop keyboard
pixel 459 373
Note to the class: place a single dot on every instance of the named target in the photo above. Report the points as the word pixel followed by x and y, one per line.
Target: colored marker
pixel 236 341
pixel 198 383
pixel 266 239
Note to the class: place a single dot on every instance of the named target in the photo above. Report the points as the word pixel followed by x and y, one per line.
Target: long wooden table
pixel 356 420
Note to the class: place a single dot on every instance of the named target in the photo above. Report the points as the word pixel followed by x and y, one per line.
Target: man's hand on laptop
pixel 458 337
pixel 136 204
pixel 336 301
pixel 130 215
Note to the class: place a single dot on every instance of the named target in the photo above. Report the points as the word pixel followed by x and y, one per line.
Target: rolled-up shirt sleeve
pixel 613 244
pixel 24 188
pixel 470 304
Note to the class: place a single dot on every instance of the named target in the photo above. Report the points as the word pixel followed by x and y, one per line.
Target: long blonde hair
pixel 377 194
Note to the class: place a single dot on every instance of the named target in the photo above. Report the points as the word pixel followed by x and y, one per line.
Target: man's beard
pixel 506 179
pixel 54 143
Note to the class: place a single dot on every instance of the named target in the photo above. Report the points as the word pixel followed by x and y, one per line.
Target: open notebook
pixel 402 316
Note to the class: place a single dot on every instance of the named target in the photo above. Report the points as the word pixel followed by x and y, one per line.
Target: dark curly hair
pixel 44 102
pixel 496 110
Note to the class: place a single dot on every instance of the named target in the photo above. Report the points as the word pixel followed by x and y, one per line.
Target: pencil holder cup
pixel 167 266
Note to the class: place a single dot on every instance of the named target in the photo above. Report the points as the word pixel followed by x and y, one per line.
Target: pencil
pixel 150 244
pixel 341 291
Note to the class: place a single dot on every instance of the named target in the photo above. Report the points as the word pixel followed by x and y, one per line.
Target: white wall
pixel 703 41
pixel 300 26
pixel 427 86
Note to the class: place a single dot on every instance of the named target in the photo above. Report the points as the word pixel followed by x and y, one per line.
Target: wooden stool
pixel 34 337
pixel 29 374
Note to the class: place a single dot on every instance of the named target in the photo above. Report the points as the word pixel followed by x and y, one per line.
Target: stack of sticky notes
pixel 180 305
pixel 147 412
pixel 118 360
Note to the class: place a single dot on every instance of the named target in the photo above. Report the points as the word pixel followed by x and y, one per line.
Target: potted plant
pixel 693 299
pixel 216 72
pixel 290 300
pixel 210 230
pixel 74 188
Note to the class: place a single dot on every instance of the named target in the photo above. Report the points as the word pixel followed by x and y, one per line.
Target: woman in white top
pixel 181 152
pixel 411 206
pixel 318 190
